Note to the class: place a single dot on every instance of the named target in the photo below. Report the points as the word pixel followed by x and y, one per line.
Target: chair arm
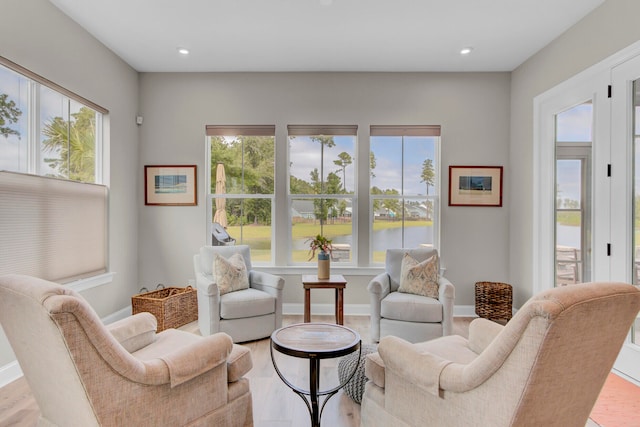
pixel 207 286
pixel 446 295
pixel 380 286
pixel 402 358
pixel 198 357
pixel 481 333
pixel 134 332
pixel 446 289
pixel 262 280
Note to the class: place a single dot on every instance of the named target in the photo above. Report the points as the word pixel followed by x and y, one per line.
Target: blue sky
pixel 573 125
pixel 13 150
pixel 305 156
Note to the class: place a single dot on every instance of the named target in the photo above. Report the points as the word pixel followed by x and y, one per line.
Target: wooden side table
pixel 337 282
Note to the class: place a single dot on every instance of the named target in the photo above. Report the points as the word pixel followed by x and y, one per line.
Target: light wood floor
pixel 274 404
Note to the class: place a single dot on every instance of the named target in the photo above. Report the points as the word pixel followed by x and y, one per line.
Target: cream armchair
pixel 84 374
pixel 245 315
pixel 412 317
pixel 546 367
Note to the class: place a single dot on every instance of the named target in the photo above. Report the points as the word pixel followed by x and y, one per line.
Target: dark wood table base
pixel 336 282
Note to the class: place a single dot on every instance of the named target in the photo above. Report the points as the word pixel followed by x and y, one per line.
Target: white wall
pixel 472 108
pixel 600 34
pixel 39 37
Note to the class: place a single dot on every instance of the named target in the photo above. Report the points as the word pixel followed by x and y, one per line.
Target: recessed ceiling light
pixel 466 51
pixel 183 50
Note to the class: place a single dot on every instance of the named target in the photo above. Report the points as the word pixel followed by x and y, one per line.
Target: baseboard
pixel 361 310
pixel 9 373
pixel 464 311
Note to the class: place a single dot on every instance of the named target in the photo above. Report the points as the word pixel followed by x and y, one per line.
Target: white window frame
pixel 36 81
pixel 240 130
pixel 420 131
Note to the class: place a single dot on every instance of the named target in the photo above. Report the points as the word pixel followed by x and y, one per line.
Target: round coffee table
pixel 314 341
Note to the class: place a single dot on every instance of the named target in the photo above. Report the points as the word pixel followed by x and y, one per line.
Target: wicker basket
pixel 173 307
pixel 494 300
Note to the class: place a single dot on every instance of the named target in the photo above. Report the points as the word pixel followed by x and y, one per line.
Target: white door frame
pixel 610 147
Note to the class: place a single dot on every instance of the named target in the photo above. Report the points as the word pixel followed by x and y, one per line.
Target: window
pixel 322 187
pixel 404 169
pixel 242 187
pixel 55 229
pixel 45 130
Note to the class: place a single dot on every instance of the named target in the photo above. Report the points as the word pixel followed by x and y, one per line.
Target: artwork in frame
pixel 170 185
pixel 475 186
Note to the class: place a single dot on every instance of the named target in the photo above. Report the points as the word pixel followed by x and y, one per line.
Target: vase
pixel 324 266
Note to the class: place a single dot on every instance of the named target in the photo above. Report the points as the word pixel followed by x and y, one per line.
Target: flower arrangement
pixel 319 242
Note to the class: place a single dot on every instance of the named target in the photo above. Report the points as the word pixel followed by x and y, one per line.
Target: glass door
pixel 625 196
pixel 573 195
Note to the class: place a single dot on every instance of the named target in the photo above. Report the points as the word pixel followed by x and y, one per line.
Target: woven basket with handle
pixel 172 306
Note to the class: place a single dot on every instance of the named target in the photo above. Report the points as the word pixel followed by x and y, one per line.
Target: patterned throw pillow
pixel 419 278
pixel 230 274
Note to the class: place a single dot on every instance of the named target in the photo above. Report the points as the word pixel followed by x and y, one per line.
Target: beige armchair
pixel 546 367
pixel 84 374
pixel 245 315
pixel 414 318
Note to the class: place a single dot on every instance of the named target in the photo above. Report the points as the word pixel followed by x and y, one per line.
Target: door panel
pixel 625 194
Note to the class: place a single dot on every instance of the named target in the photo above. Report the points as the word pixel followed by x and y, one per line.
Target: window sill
pixel 335 269
pixel 91 282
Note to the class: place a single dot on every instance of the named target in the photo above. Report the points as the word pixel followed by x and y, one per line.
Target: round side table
pixel 314 341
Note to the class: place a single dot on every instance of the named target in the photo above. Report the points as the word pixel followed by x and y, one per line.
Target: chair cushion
pixel 419 278
pixel 246 303
pixel 230 274
pixel 238 363
pixel 411 308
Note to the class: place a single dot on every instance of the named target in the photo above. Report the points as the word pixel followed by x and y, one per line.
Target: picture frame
pixel 170 185
pixel 475 186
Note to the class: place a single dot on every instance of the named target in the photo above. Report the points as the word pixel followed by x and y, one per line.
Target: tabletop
pixel 317 340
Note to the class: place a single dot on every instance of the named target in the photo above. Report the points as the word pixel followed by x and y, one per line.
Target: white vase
pixel 324 266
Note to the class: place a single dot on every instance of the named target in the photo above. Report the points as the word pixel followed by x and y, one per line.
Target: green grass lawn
pixel 259 236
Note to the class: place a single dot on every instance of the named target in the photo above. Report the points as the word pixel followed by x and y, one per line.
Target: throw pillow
pixel 419 278
pixel 230 274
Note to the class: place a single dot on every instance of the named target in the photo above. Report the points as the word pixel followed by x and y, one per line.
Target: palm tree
pixel 73 144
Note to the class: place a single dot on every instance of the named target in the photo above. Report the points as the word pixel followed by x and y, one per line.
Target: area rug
pixel 618 404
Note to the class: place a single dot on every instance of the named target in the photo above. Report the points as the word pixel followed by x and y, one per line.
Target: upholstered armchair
pixel 83 373
pixel 412 317
pixel 247 314
pixel 545 367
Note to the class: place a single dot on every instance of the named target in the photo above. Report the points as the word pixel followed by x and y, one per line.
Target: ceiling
pixel 325 35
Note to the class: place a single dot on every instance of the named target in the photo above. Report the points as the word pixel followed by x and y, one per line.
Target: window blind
pixel 241 130
pixel 419 130
pixel 51 228
pixel 51 85
pixel 304 130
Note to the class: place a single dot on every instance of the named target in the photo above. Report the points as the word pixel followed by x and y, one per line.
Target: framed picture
pixel 170 185
pixel 475 185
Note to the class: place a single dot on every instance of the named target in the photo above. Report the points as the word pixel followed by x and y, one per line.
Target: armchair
pixel 545 367
pixel 245 315
pixel 412 317
pixel 83 373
